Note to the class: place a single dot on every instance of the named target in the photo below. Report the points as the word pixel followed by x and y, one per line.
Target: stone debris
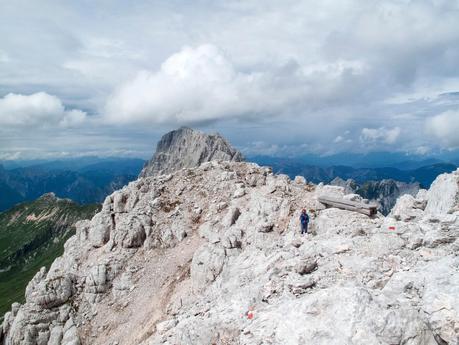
pixel 182 258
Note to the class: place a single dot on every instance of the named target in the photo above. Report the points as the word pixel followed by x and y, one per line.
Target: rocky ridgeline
pixel 384 193
pixel 188 148
pixel 213 255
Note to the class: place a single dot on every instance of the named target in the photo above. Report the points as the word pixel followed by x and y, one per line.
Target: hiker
pixel 304 220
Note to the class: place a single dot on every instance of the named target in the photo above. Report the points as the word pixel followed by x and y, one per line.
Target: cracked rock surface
pixel 188 148
pixel 213 255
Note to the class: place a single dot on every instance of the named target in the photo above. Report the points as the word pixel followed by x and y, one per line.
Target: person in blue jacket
pixel 304 220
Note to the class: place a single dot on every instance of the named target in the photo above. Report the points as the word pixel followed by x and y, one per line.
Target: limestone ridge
pixel 181 258
pixel 188 148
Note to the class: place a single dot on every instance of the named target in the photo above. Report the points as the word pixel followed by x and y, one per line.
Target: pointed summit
pixel 187 148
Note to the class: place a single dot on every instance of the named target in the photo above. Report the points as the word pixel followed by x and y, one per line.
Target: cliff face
pixel 384 192
pixel 213 255
pixel 188 148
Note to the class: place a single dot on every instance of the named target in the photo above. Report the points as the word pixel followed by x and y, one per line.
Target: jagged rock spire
pixel 188 148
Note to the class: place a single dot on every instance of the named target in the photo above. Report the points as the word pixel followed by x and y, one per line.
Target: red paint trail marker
pixel 392 228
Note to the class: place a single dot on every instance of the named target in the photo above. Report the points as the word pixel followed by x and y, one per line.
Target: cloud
pixel 422 150
pixel 4 57
pixel 445 128
pixel 279 72
pixel 380 135
pixel 338 139
pixel 343 139
pixel 37 110
pixel 201 84
pixel 195 84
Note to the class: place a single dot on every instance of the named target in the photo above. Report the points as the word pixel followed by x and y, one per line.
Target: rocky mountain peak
pixel 48 196
pixel 213 255
pixel 188 148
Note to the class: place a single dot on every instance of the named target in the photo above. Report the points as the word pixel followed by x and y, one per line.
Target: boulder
pixel 99 230
pixel 443 195
pixel 207 264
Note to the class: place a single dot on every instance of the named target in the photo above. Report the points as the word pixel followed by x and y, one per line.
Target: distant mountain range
pixel 85 180
pixel 401 161
pixel 316 173
pixel 90 179
pixel 32 235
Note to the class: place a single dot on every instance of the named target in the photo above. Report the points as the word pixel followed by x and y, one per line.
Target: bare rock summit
pixel 211 253
pixel 188 148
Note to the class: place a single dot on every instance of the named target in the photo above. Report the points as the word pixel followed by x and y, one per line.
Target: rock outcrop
pixel 213 255
pixel 384 192
pixel 188 148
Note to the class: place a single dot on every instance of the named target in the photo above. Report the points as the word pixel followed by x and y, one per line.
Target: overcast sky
pixel 275 77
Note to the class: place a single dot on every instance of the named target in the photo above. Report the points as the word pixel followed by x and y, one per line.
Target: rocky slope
pixel 384 193
pixel 213 255
pixel 188 148
pixel 33 234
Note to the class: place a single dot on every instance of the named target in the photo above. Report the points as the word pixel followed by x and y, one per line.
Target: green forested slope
pixel 32 235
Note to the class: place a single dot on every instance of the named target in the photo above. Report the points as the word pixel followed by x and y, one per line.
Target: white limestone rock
pixel 152 269
pixel 353 197
pixel 443 195
pixel 96 282
pixel 52 292
pixel 408 208
pixel 56 334
pixel 70 336
pixel 99 229
pixel 332 191
pixel 207 265
pixel 299 180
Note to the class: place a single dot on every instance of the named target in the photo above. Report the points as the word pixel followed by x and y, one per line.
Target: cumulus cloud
pixel 192 85
pixel 38 109
pixel 381 134
pixel 278 70
pixel 202 84
pixel 445 128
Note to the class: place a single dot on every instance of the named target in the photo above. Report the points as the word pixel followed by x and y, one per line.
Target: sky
pixel 108 78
